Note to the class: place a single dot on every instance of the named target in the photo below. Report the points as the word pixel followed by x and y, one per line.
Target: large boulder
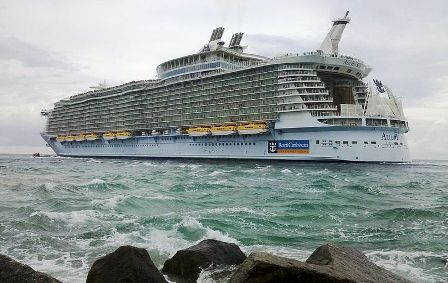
pixel 187 264
pixel 14 271
pixel 126 264
pixel 353 263
pixel 263 267
pixel 327 264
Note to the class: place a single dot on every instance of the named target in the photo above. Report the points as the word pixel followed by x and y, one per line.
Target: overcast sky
pixel 53 49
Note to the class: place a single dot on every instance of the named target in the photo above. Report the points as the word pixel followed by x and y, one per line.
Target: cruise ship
pixel 225 103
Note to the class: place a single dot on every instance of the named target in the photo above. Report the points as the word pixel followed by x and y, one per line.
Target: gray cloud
pixel 273 45
pixel 30 55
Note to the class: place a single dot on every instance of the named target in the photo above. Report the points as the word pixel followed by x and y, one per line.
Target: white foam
pixel 288 252
pixel 149 164
pixel 72 218
pixel 220 172
pixel 325 171
pixel 165 241
pixel 50 186
pixel 224 210
pixel 405 263
pixel 286 171
pixel 110 203
pixel 206 276
pixel 61 268
pixel 193 223
pixel 158 197
pixel 94 160
pixel 94 182
pixel 217 172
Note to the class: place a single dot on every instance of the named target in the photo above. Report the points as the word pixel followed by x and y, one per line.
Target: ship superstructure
pixel 308 106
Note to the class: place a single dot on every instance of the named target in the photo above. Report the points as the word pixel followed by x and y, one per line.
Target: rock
pixel 353 263
pixel 264 267
pixel 14 271
pixel 187 264
pixel 327 264
pixel 126 264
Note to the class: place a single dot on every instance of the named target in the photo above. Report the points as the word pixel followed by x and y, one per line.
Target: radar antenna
pixel 331 41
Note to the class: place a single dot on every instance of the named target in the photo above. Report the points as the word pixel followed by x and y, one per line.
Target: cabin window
pixel 345 142
pixel 317 141
pixel 373 142
pixel 354 142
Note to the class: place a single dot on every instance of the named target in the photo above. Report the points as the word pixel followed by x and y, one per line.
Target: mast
pixel 331 41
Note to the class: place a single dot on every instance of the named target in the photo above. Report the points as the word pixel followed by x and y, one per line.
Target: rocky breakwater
pixel 328 263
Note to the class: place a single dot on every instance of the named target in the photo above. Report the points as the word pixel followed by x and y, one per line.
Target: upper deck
pixel 345 66
pixel 213 58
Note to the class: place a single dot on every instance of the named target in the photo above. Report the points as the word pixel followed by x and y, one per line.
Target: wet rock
pixel 264 267
pixel 187 264
pixel 126 264
pixel 327 264
pixel 353 263
pixel 14 271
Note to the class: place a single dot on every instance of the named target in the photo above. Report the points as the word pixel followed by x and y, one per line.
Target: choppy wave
pixel 60 214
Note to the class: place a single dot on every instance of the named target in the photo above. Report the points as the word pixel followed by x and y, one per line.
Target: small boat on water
pixel 37 154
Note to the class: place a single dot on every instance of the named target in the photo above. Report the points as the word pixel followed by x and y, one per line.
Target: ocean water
pixel 60 214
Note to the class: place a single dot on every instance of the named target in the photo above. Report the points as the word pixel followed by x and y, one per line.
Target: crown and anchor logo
pixel 272 146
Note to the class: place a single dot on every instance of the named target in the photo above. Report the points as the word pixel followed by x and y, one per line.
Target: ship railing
pixel 320 53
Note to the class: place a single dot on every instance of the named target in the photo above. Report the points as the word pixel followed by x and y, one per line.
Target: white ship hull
pixel 199 134
pixel 360 144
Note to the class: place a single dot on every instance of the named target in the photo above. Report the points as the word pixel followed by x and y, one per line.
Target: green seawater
pixel 61 214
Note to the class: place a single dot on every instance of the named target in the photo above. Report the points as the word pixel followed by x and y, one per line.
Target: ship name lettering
pixel 389 137
pixel 351 63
